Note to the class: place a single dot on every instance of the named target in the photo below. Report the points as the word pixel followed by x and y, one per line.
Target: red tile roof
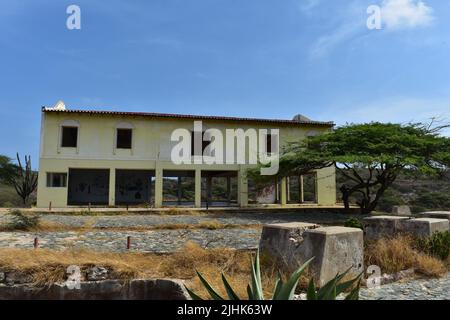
pixel 190 116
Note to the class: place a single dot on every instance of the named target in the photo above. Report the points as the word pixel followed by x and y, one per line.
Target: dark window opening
pixel 269 143
pixel 56 180
pixel 69 137
pixel 88 186
pixel 204 144
pixel 124 138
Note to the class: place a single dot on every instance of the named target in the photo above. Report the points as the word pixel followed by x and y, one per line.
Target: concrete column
pixel 158 188
pixel 150 191
pixel 229 190
pixel 326 186
pixel 300 189
pixel 242 188
pixel 288 189
pixel 198 188
pixel 112 186
pixel 283 193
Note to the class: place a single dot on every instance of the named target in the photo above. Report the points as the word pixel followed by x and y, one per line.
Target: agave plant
pixel 283 290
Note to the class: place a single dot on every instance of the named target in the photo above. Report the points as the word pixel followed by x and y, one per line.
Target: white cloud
pixel 395 15
pixel 402 14
pixel 328 42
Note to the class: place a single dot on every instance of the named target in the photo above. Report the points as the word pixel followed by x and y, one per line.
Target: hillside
pixel 419 192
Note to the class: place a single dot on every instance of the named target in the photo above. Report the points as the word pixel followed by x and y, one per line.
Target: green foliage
pixel 353 223
pixel 8 170
pixel 437 245
pixel 8 197
pixel 335 287
pixel 370 156
pixel 434 200
pixel 390 199
pixel 283 290
pixel 22 222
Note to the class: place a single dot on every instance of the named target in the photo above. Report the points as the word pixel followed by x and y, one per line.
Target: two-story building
pixel 109 158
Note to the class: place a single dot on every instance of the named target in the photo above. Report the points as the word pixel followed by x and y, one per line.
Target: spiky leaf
pixel 231 294
pixel 214 295
pixel 311 293
pixel 288 289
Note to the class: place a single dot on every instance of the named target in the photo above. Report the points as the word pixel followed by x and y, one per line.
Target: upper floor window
pixel 269 143
pixel 69 137
pixel 56 180
pixel 124 138
pixel 272 143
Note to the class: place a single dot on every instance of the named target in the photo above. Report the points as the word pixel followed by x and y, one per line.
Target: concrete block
pixel 381 226
pixel 403 211
pixel 423 227
pixel 436 214
pixel 282 242
pixel 335 249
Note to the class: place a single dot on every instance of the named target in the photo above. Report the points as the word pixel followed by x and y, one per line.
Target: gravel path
pixel 423 289
pixel 155 220
pixel 98 237
pixel 146 241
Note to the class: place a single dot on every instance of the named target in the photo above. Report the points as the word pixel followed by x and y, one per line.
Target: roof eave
pixel 185 116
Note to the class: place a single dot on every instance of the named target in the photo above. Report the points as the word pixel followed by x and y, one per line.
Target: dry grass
pixel 49 266
pixel 138 210
pixel 399 253
pixel 50 226
pixel 178 212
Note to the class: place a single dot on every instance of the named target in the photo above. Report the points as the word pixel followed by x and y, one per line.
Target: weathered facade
pixel 109 158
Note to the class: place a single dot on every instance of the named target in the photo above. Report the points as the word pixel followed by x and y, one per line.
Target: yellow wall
pixel 151 150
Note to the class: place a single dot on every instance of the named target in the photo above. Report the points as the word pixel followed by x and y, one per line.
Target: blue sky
pixel 256 58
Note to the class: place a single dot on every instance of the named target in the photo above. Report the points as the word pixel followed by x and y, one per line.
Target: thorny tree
pixel 370 157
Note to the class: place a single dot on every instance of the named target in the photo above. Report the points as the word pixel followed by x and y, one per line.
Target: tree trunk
pixel 345 197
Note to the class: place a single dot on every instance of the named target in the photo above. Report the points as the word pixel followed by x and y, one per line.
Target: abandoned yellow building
pixel 109 158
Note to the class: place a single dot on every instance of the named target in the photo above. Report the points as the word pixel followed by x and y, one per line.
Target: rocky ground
pixel 99 235
pixel 422 289
pixel 146 241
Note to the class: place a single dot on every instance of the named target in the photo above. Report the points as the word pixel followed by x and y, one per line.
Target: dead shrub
pixel 396 254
